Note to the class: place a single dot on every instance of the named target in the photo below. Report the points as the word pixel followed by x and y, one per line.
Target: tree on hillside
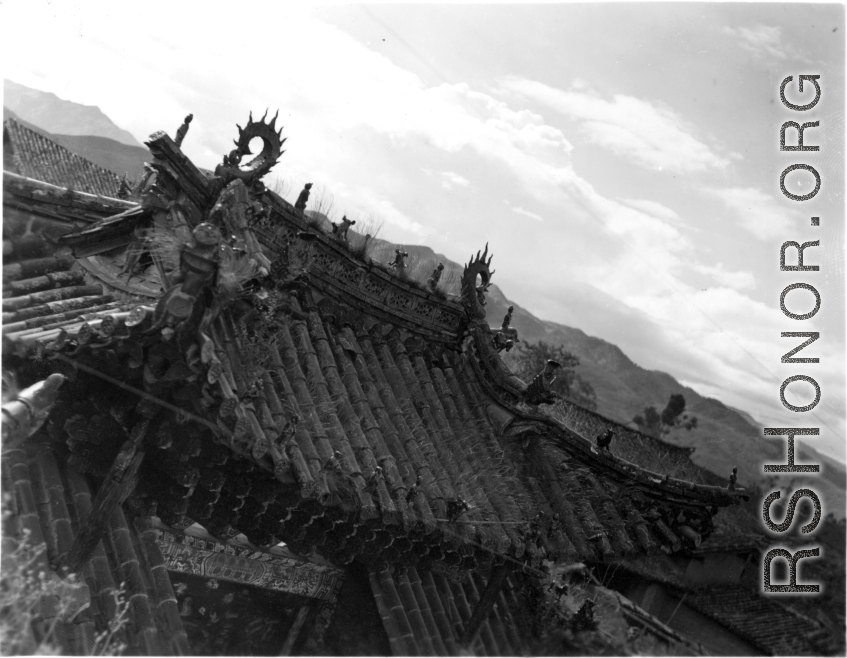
pixel 673 417
pixel 530 359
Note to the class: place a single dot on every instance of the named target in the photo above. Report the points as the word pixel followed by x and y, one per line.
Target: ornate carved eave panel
pixel 247 566
pixel 336 273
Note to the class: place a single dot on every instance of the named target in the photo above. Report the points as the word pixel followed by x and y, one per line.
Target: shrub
pixel 37 606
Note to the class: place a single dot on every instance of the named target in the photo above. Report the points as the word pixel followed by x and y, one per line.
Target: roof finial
pixel 303 199
pixel 182 131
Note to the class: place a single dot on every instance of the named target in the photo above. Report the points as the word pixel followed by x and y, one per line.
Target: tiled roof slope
pixel 45 288
pixel 407 447
pixel 424 614
pixel 766 623
pixel 760 619
pixel 366 398
pixel 35 156
pixel 427 614
pixel 50 502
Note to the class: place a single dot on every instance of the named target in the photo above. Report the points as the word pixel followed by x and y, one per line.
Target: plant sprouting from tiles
pixel 253 353
pixel 361 240
pixel 160 246
pixel 235 270
pixel 421 270
pixel 280 186
pixel 11 388
pixel 322 205
pixel 39 611
pixel 451 281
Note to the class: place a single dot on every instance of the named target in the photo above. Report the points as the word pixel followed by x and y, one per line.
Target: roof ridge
pixel 488 368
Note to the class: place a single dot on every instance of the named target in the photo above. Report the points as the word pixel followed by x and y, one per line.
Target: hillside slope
pixel 61 117
pixel 115 156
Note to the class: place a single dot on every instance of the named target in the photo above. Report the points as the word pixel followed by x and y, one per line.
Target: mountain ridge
pixel 58 116
pixel 105 152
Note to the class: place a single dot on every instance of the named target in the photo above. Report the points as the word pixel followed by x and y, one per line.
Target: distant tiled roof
pixel 36 156
pixel 760 619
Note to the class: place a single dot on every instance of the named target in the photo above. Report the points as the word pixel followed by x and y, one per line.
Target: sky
pixel 622 161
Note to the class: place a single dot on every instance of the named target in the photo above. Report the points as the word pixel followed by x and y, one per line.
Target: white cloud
pixel 527 213
pixel 650 134
pixel 653 208
pixel 762 40
pixel 762 215
pixel 738 280
pixel 451 179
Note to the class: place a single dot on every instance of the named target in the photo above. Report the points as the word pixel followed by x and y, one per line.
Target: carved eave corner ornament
pixel 483 345
pixel 473 295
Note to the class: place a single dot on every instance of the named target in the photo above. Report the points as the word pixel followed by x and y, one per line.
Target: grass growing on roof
pixel 34 602
pixel 361 239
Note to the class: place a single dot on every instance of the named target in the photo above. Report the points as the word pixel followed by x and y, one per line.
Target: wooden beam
pixel 486 602
pixel 118 484
pixel 294 631
pixel 169 158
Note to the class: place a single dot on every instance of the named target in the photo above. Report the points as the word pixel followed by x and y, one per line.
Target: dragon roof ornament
pixel 272 142
pixel 473 295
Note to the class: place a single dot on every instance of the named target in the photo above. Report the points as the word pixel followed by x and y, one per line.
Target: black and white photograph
pixel 396 329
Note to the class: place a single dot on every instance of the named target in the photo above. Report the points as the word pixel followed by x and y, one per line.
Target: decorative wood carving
pixel 334 272
pixel 241 564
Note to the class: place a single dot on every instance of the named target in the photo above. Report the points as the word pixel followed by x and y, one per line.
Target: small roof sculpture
pixel 303 199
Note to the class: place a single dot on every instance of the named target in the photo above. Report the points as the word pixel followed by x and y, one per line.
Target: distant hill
pixel 109 154
pixel 103 151
pixel 61 117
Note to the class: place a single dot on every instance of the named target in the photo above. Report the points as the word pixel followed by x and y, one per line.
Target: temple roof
pixel 328 402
